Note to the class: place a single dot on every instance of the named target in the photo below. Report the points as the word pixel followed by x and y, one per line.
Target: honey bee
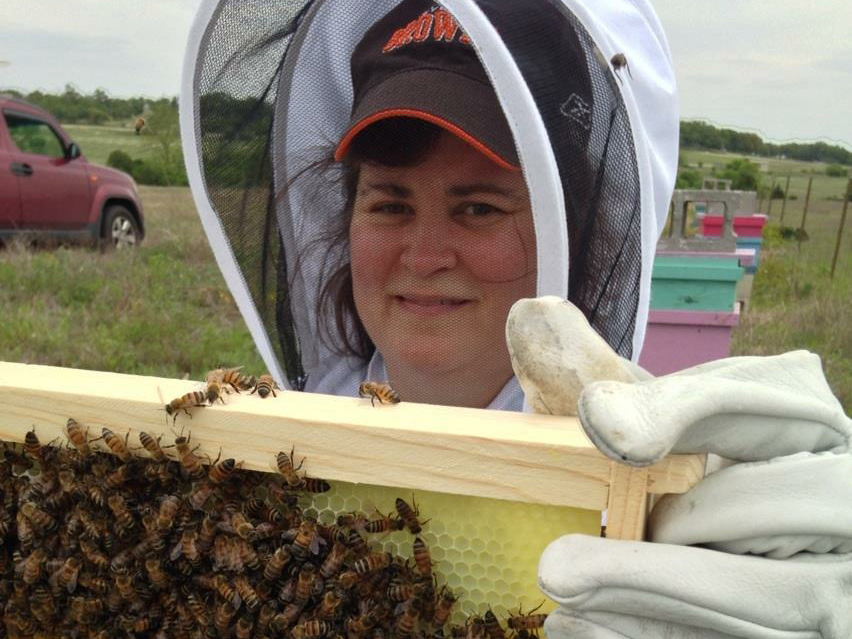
pixel 215 392
pixel 121 475
pixel 31 572
pixel 231 377
pixel 248 556
pixel 527 621
pixel 245 624
pixel 153 446
pixel 492 627
pixel 287 469
pixel 330 603
pixel 305 583
pixel 189 461
pixel 32 445
pixel 194 399
pixel 619 61
pixel 40 520
pixel 275 566
pixel 378 391
pixel 314 485
pixel 242 526
pixel 311 629
pixel 409 515
pixel 362 624
pixel 475 628
pixel 223 470
pixel 247 593
pixel 186 547
pixel 222 619
pixel 66 576
pixel 406 622
pixel 384 523
pixel 401 591
pixel 207 533
pixel 357 544
pixel 77 437
pixel 200 495
pixel 169 507
pixel 116 444
pixel 267 611
pixel 94 555
pixel 265 385
pixel 197 608
pixel 374 561
pixel 446 601
pixel 333 561
pixel 156 574
pixel 123 518
pixel 226 590
pixel 94 583
pixel 422 558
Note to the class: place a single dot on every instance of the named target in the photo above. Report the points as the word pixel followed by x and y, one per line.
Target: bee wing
pixel 72 583
pixel 314 545
pixel 54 579
pixel 176 551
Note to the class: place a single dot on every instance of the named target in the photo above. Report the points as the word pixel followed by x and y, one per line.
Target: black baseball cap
pixel 417 62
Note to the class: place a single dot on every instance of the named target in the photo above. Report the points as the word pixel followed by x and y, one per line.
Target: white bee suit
pixel 776 529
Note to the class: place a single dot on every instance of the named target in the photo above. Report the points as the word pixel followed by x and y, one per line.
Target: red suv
pixel 49 189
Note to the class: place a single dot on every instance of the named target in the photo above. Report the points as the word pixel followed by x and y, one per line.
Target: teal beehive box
pixel 694 283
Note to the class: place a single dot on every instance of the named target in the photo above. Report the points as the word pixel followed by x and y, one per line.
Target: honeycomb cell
pixel 485 550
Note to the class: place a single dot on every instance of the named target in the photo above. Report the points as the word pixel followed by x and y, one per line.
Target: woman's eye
pixel 479 210
pixel 391 208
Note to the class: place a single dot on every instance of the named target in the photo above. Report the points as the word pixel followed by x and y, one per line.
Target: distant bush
pixel 744 175
pixel 153 171
pixel 120 160
pixel 777 192
pixel 836 170
pixel 688 179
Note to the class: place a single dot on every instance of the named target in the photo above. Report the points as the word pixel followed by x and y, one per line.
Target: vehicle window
pixel 34 136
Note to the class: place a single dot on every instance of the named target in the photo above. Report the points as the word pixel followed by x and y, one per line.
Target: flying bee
pixel 265 385
pixel 223 470
pixel 194 399
pixel 66 576
pixel 117 445
pixel 189 461
pixel 492 627
pixel 287 469
pixel 333 560
pixel 311 629
pixel 409 515
pixel 378 391
pixel 40 520
pixel 422 558
pixel 619 61
pixel 446 601
pixel 374 561
pixel 77 437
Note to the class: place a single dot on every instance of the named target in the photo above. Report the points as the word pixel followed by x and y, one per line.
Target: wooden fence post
pixel 842 223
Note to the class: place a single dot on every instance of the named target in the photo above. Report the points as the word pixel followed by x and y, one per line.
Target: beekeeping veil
pixel 268 85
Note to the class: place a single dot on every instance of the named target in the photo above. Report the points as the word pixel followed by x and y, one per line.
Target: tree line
pixel 700 135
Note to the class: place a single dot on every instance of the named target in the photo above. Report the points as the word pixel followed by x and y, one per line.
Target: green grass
pixel 162 310
pixel 97 142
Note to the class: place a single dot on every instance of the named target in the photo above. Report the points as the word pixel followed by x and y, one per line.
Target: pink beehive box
pixel 679 339
pixel 744 225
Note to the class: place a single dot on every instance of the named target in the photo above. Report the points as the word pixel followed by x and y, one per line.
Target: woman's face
pixel 439 252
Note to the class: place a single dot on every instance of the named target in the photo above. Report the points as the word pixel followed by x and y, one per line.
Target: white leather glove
pixel 783 521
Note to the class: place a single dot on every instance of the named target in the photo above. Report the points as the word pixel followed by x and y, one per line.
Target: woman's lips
pixel 429 306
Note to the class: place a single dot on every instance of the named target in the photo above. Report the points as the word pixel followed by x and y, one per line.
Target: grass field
pixel 165 310
pixel 97 142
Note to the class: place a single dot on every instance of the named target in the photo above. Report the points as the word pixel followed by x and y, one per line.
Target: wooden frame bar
pixel 504 455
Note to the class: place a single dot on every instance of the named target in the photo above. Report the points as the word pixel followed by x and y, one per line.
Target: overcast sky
pixel 780 68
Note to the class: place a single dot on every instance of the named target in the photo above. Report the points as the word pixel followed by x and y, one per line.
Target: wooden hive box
pixel 495 455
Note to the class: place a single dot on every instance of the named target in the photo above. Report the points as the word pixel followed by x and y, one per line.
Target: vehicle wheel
pixel 120 229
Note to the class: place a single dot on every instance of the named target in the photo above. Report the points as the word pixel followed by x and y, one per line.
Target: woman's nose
pixel 428 249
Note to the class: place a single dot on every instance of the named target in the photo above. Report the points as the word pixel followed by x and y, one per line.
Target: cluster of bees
pixel 113 544
pixel 217 384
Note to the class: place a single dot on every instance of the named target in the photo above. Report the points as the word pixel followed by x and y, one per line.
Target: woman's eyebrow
pixel 464 190
pixel 389 188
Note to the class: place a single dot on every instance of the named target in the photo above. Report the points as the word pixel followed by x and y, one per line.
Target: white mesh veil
pixel 267 91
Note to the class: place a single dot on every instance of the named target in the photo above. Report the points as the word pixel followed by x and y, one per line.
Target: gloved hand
pixel 777 530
